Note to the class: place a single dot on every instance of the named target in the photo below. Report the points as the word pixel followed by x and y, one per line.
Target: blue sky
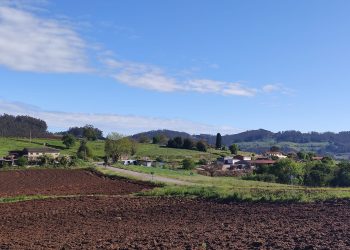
pixel 197 66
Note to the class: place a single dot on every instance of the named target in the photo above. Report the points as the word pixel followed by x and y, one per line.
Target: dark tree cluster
pixel 88 131
pixel 22 126
pixel 187 143
pixel 320 173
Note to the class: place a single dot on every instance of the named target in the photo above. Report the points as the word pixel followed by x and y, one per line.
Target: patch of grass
pixel 236 189
pixel 7 144
pixel 174 154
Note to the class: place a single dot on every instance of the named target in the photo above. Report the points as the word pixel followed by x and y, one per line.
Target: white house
pixel 128 162
pixel 279 155
pixel 227 160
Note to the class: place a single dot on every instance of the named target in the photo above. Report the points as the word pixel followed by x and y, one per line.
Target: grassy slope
pixel 7 144
pixel 312 146
pixel 172 154
pixel 149 150
pixel 229 188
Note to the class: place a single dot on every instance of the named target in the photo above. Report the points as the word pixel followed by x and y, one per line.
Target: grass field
pixel 291 146
pixel 143 149
pixel 235 189
pixel 7 144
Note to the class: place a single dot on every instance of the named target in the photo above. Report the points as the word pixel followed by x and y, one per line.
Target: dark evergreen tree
pixel 218 143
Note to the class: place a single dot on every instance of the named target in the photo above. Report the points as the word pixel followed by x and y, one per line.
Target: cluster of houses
pixel 239 164
pixel 145 161
pixel 32 155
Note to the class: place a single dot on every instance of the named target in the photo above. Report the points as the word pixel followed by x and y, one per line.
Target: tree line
pixel 22 126
pixel 325 172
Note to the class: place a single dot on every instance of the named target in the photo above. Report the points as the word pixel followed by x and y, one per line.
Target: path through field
pixel 148 177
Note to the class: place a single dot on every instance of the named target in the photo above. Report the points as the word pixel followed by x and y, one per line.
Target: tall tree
pixel 68 140
pixel 114 136
pixel 188 144
pixel 218 143
pixel 90 133
pixel 116 149
pixel 234 149
pixel 84 151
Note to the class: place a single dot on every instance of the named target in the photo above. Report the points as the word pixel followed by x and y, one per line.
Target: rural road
pixel 147 177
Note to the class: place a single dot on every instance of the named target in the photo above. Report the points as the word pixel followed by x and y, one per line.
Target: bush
pixel 22 161
pixel 84 150
pixel 188 164
pixel 319 174
pixel 342 175
pixel 288 172
pixel 201 146
pixel 203 162
pixel 159 159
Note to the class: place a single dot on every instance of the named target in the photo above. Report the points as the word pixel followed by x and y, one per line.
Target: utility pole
pixel 30 136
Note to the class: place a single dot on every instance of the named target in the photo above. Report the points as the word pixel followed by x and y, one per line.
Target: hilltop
pixel 258 141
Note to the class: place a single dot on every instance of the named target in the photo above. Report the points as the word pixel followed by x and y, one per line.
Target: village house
pixel 227 160
pixel 146 163
pixel 272 154
pixel 128 162
pixel 32 154
pixel 242 158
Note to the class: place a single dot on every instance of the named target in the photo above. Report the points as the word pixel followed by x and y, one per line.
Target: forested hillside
pixel 261 140
pixel 22 126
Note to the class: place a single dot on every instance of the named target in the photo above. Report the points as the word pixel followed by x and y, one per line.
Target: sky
pixel 199 66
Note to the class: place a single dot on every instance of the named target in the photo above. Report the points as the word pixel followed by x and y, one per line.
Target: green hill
pixel 143 149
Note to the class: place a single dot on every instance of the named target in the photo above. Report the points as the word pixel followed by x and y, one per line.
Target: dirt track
pixel 64 182
pixel 167 223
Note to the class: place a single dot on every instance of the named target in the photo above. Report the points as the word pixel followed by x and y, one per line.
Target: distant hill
pixel 336 144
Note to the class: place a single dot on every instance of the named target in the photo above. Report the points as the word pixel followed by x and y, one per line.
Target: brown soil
pixel 64 182
pixel 172 223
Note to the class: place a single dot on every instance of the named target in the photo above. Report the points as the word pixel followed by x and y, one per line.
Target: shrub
pixel 201 146
pixel 203 162
pixel 160 159
pixel 22 161
pixel 319 173
pixel 342 175
pixel 68 140
pixel 84 150
pixel 188 164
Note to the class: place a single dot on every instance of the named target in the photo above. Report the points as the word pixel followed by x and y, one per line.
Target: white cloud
pixel 30 43
pixel 36 44
pixel 279 88
pixel 142 76
pixel 219 87
pixel 152 77
pixel 125 124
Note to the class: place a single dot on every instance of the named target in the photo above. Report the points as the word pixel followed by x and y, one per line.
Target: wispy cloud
pixel 154 78
pixel 219 87
pixel 126 124
pixel 31 43
pixel 277 88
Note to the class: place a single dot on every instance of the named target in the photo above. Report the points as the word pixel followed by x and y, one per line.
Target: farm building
pixel 278 155
pixel 227 160
pixel 34 153
pixel 128 162
pixel 146 163
pixel 242 158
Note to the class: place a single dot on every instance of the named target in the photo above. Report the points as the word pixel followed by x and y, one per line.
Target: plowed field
pixel 64 182
pixel 171 223
pixel 119 221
